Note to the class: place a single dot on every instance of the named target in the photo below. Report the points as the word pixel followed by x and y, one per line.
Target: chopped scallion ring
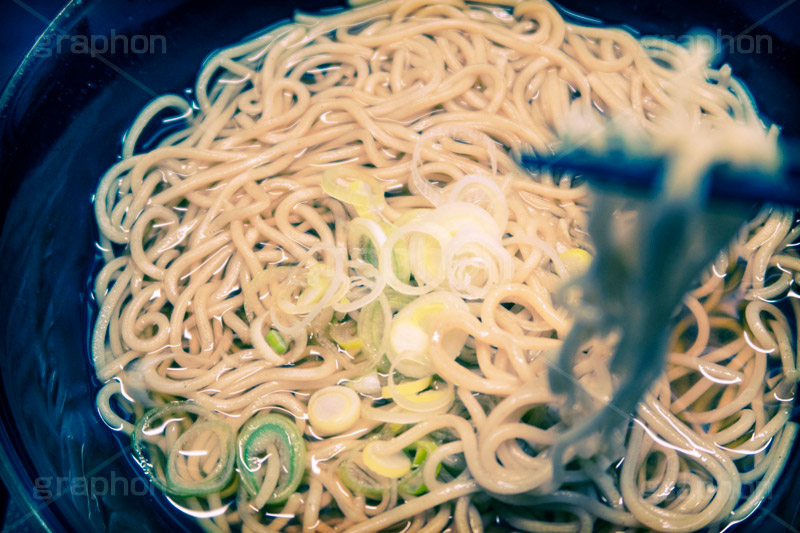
pixel 374 322
pixel 484 192
pixel 201 442
pixel 409 336
pixel 333 410
pixel 344 334
pixel 257 436
pixel 413 397
pixel 360 479
pixel 277 342
pixel 412 483
pixel 576 260
pixel 408 388
pixel 199 425
pixel 364 238
pixel 389 257
pixel 354 186
pixel 393 465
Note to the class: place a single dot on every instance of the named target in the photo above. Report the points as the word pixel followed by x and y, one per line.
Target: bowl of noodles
pixel 283 271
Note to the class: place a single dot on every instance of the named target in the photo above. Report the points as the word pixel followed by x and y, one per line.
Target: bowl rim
pixel 12 471
pixel 30 58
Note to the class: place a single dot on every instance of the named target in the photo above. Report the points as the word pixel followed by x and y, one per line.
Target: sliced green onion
pixel 421 449
pixel 384 365
pixel 369 253
pixel 407 388
pixel 413 396
pixel 576 260
pixel 360 479
pixel 369 384
pixel 344 334
pixel 374 322
pixel 401 262
pixel 392 465
pixel 161 466
pixel 397 300
pixel 411 215
pixel 310 289
pixel 475 263
pixel 318 280
pixel 333 410
pixel 457 217
pixel 218 476
pixel 363 286
pixel 255 438
pixel 409 336
pixel 424 255
pixel 395 248
pixel 364 238
pixel 438 399
pixel 412 483
pixel 484 192
pixel 277 342
pixel 354 186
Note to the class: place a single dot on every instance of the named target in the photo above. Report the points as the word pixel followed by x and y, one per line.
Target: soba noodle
pixel 332 301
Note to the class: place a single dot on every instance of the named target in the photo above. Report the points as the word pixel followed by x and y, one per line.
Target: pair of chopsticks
pixel 639 174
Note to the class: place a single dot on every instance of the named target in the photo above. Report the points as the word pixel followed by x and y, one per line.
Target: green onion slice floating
pixel 361 480
pixel 256 437
pixel 412 483
pixel 277 342
pixel 354 185
pixel 373 327
pixel 199 462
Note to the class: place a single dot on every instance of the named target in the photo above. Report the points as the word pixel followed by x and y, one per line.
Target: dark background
pixel 20 24
pixel 19 28
pixel 21 21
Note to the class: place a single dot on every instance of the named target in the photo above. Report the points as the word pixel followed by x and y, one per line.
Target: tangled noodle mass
pixel 331 299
